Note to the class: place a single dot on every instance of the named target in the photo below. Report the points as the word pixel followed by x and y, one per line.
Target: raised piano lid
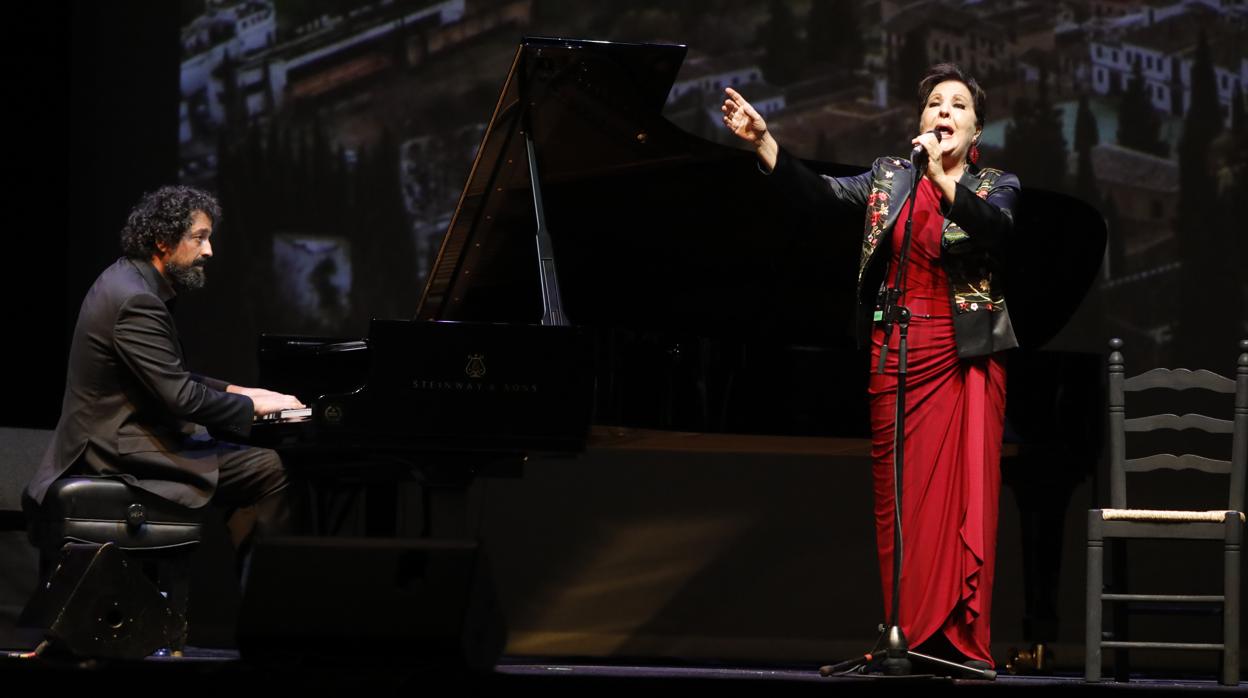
pixel 655 229
pixel 495 207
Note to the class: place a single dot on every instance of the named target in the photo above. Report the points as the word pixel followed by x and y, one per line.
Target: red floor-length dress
pixel 955 409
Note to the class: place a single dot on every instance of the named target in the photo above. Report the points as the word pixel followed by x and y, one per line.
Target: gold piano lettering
pixel 473 386
pixel 520 387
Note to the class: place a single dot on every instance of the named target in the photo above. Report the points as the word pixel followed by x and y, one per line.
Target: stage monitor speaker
pixel 98 603
pixel 430 602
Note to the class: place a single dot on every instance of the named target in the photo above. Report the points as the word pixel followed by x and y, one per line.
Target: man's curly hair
pixel 165 216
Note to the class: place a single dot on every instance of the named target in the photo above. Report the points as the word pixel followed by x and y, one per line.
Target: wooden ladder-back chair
pixel 1123 522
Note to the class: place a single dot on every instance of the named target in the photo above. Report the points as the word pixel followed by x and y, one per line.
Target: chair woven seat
pixel 1212 516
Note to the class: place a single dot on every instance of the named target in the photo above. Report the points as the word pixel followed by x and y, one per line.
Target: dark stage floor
pixel 213 670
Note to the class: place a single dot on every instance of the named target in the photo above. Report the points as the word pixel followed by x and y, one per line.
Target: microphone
pixel 918 156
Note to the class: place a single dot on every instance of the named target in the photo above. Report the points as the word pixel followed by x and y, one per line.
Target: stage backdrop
pixel 338 135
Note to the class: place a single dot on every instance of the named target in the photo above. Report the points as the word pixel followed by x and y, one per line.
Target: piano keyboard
pixel 302 414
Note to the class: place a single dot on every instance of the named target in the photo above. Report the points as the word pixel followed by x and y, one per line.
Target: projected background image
pixel 338 135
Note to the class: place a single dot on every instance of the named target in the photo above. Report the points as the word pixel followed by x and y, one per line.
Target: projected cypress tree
pixel 1231 150
pixel 1238 125
pixel 1034 145
pixel 1139 126
pixel 833 34
pixel 783 50
pixel 910 65
pixel 383 255
pixel 1231 205
pixel 1087 136
pixel 1204 246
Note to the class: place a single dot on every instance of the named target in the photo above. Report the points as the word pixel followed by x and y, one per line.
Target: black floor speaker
pixel 98 603
pixel 430 603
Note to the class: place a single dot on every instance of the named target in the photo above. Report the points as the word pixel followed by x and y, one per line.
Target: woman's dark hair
pixel 949 71
pixel 164 216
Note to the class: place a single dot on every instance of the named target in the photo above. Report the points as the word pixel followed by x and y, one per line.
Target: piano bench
pixel 89 521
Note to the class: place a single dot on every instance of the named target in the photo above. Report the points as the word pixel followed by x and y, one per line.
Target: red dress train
pixel 955 411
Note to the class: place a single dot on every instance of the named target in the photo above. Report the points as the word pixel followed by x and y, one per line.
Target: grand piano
pixel 604 267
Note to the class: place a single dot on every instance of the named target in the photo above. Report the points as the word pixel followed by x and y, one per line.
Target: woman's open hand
pixel 746 123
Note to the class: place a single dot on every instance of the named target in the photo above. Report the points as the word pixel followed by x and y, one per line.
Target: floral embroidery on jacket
pixel 970 279
pixel 878 204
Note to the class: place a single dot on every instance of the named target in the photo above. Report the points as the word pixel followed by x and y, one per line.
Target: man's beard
pixel 187 277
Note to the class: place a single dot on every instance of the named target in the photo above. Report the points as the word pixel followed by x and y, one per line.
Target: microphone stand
pixel 895 660
pixel 897 652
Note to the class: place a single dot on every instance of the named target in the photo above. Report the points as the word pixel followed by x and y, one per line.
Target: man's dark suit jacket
pixel 130 406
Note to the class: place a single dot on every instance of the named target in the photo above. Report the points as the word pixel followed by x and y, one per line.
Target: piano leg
pixel 428 497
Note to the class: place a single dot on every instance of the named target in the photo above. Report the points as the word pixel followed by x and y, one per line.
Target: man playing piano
pixel 131 409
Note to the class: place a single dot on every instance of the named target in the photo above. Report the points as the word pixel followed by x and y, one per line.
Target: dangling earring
pixel 973 156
